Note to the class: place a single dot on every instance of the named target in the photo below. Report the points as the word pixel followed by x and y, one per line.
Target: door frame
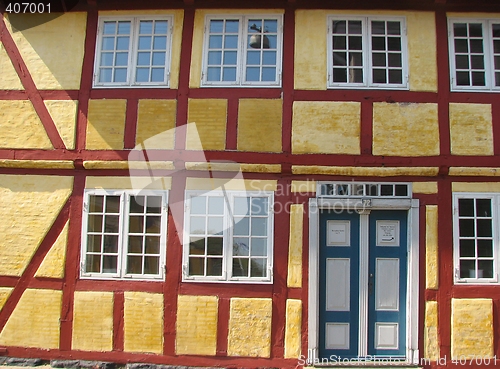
pixel 363 205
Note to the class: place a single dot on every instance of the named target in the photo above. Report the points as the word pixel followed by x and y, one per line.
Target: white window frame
pixel 489 62
pixel 132 57
pixel 227 257
pixel 241 51
pixel 367 54
pixel 123 233
pixel 495 214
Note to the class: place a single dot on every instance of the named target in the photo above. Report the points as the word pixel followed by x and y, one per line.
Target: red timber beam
pixel 29 85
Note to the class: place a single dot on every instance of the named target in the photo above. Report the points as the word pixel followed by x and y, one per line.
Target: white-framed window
pixel 228 237
pixel 369 52
pixel 242 50
pixel 133 51
pixel 474 54
pixel 124 234
pixel 476 237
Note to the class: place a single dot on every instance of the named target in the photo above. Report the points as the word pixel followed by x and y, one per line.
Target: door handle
pixel 370 284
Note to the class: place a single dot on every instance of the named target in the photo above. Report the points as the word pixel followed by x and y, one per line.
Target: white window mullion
pixel 367 53
pixel 123 234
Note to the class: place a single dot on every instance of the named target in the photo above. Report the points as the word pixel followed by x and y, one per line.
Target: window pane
pixel 258 268
pixel 136 224
pixel 158 75
pixel 356 59
pixel 241 227
pixel 196 266
pixel 339 27
pixel 230 57
pixel 213 74
pixel 496 46
pixel 268 74
pixel 241 246
pixel 109 264
pixel 143 59
pixel 113 204
pixel 240 267
pixel 462 61
pixel 478 79
pixel 378 27
pixel 122 43
pixel 271 25
pixel 339 75
pixel 229 74
pixel 475 30
pixel 121 59
pixel 142 75
pixel 476 46
pixel 463 79
pixel 231 42
pixel 107 59
pixel 339 59
pixel 269 58
pixel 339 43
pixel 260 206
pixel 216 206
pixel 214 266
pixel 477 61
pixel 152 245
pixel 151 265
pixel 495 30
pixel 198 205
pixel 259 246
pixel 159 58
pixel 485 248
pixel 134 264
pixel 144 42
pixel 94 223
pixel 466 207
pixel 93 243
pixel 120 75
pixel 93 264
pixel 110 244
pixel 214 246
pixel 153 224
pixel 483 227
pixel 485 267
pixel 216 26
pixel 154 204
pixel 196 246
pixel 159 43
pixel 105 75
pixel 354 27
pixel 355 43
pixel 378 43
pixel 111 224
pixel 460 29
pixel 393 28
pixel 197 225
pixel 241 205
pixel 215 42
pixel 215 225
pixel 379 59
pixel 124 28
pixel 259 226
pixel 108 43
pixel 466 227
pixel 483 207
pixel 461 46
pixel 161 27
pixel 396 76
pixel 146 27
pixel 467 248
pixel 109 28
pixel 232 26
pixel 134 244
pixel 214 57
pixel 379 76
pixel 467 269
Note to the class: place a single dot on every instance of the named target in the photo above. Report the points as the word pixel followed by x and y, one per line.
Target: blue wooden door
pixel 339 276
pixel 387 283
pixel 383 299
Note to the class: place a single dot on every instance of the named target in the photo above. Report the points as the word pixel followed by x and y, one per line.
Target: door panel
pixel 387 270
pixel 338 301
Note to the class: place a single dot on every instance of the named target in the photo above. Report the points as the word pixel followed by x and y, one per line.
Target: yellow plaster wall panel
pixel 143 322
pixel 294 277
pixel 475 172
pixel 233 184
pixel 209 129
pixel 234 167
pixel 93 321
pixel 326 127
pixel 310 50
pixel 53 264
pixel 250 327
pixel 106 124
pixel 475 187
pixel 293 329
pixel 129 183
pixel 425 187
pixel 10 80
pixel 431 248
pixel 52 51
pixel 176 46
pixel 35 320
pixel 422 58
pixel 259 125
pixel 20 126
pixel 37 164
pixel 63 113
pixel 30 204
pixel 366 171
pixel 471 328
pixel 405 129
pixel 4 295
pixel 304 186
pixel 156 123
pixel 471 129
pixel 196 331
pixel 431 337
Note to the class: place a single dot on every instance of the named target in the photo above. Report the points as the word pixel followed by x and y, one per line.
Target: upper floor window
pixel 228 236
pixel 124 234
pixel 242 51
pixel 476 237
pixel 367 52
pixel 474 54
pixel 133 51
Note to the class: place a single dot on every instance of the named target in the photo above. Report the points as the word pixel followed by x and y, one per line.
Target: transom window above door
pixel 474 54
pixel 242 51
pixel 367 52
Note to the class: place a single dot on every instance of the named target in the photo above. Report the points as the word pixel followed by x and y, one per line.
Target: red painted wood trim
pixel 445 254
pixel 305 274
pixel 30 87
pixel 6 281
pixel 236 93
pixel 184 72
pixel 46 283
pixel 223 325
pixel 171 288
pixel 13 95
pixel 232 124
pixel 118 318
pixel 133 93
pixel 288 77
pixel 87 76
pixel 59 94
pixel 226 289
pixel 366 127
pixel 128 357
pixel 119 285
pixel 443 82
pixel 34 264
pixel 130 124
pixel 72 265
pixel 282 200
pixel 389 96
